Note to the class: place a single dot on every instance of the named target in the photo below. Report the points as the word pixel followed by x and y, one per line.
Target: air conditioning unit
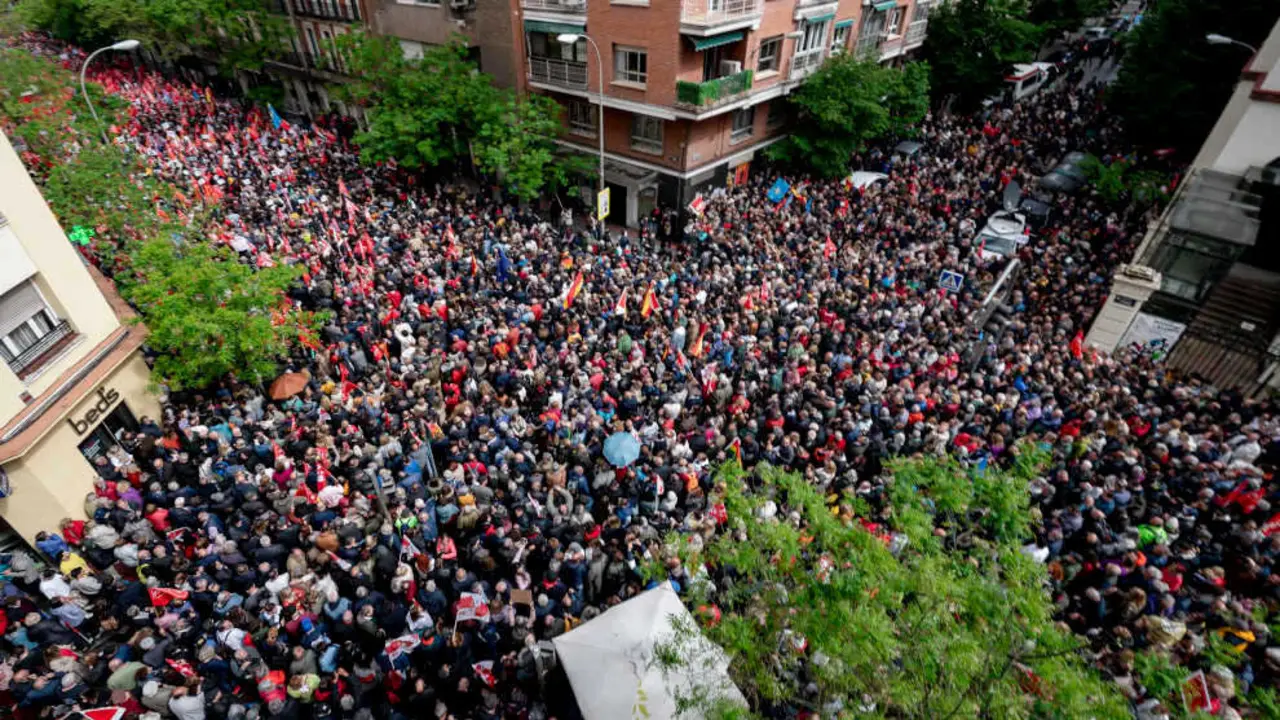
pixel 730 67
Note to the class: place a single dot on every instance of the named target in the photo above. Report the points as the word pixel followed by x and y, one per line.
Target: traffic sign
pixel 950 280
pixel 602 204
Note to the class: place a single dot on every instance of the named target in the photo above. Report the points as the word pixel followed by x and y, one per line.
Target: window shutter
pixel 18 305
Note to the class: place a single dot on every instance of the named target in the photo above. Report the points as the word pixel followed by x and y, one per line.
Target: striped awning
pixel 820 18
pixel 717 40
pixel 844 23
pixel 885 5
pixel 553 28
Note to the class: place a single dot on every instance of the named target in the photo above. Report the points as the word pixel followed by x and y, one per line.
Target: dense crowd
pixel 404 537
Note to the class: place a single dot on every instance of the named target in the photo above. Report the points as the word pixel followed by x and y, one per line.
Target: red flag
pixel 828 249
pixel 475 267
pixel 620 307
pixel 575 288
pixel 484 671
pixel 106 713
pixel 472 607
pixel 1272 526
pixel 1077 345
pixel 182 666
pixel 161 597
pixel 342 188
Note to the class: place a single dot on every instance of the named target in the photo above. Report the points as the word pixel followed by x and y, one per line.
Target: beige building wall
pixel 60 275
pixel 50 482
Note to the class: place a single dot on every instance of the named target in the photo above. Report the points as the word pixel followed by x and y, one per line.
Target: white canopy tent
pixel 610 661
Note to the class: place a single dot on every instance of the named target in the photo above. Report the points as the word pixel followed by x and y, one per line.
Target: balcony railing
pixel 553 71
pixel 718 12
pixel 571 7
pixel 347 10
pixel 34 357
pixel 891 46
pixel 713 92
pixel 915 33
pixel 803 65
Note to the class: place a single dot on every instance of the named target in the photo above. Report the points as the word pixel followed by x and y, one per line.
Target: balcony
pixel 915 34
pixel 891 47
pixel 41 351
pixel 561 73
pixel 803 65
pixel 567 7
pixel 341 10
pixel 708 17
pixel 710 93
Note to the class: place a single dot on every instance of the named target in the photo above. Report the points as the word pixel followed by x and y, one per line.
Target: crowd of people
pixel 403 537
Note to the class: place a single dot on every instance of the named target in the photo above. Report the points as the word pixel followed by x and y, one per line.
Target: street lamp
pixel 123 46
pixel 569 39
pixel 1216 39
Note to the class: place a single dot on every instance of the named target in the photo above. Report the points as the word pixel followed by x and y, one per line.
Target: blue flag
pixel 780 188
pixel 504 264
pixel 276 121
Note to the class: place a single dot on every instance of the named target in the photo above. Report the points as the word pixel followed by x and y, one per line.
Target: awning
pixel 885 5
pixel 553 28
pixel 716 40
pixel 822 18
pixel 845 23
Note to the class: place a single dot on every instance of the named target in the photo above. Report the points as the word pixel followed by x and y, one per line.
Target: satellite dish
pixel 1012 194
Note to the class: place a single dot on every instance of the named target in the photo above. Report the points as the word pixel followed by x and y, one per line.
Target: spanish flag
pixel 695 350
pixel 620 307
pixel 736 447
pixel 575 288
pixel 649 303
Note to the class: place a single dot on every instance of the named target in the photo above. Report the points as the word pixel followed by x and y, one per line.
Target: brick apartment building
pixel 693 89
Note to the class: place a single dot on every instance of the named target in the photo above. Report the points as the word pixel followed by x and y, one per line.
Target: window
pixel 744 124
pixel 777 113
pixel 839 39
pixel 582 118
pixel 28 327
pixel 891 21
pixel 921 14
pixel 815 33
pixel 646 134
pixel 770 51
pixel 630 65
pixel 108 432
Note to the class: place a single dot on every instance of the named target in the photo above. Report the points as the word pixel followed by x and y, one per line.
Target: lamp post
pixel 569 39
pixel 124 46
pixel 1216 39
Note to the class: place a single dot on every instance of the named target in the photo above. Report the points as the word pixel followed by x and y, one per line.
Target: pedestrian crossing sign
pixel 602 204
pixel 950 280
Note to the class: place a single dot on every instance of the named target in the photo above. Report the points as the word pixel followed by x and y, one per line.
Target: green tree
pixel 209 314
pixel 1173 85
pixel 238 34
pixel 847 102
pixel 971 45
pixel 469 121
pixel 1057 18
pixel 948 619
pixel 1120 184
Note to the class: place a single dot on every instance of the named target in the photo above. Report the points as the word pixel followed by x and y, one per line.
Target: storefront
pixel 49 480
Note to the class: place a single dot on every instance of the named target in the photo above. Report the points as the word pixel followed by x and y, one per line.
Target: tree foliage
pixel 1059 17
pixel 1173 85
pixel 467 120
pixel 239 34
pixel 948 619
pixel 208 314
pixel 971 45
pixel 848 102
pixel 1120 184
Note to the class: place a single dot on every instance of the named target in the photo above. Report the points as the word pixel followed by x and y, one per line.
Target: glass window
pixel 777 113
pixel 107 434
pixel 839 38
pixel 770 51
pixel 744 123
pixel 813 39
pixel 582 118
pixel 646 134
pixel 630 65
pixel 891 22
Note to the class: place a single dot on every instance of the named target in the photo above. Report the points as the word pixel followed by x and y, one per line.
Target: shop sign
pixel 106 398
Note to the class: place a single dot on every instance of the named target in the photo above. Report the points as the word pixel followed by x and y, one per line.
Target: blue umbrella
pixel 621 449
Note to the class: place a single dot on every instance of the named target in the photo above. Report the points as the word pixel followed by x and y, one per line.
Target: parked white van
pixel 1027 78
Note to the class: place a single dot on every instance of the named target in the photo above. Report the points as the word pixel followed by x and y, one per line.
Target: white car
pixel 1003 234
